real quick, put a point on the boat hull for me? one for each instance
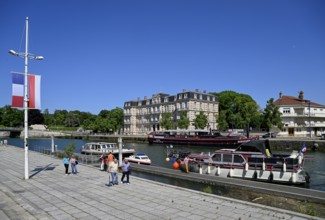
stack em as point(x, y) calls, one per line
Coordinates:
point(231, 142)
point(277, 176)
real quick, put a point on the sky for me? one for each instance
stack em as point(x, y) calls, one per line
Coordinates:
point(102, 53)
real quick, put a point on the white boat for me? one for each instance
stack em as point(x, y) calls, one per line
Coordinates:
point(139, 159)
point(105, 147)
point(252, 160)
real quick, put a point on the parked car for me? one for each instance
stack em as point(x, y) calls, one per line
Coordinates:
point(269, 135)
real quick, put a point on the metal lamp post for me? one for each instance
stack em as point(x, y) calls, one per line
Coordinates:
point(309, 119)
point(26, 56)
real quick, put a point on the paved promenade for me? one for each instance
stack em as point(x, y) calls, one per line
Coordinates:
point(49, 194)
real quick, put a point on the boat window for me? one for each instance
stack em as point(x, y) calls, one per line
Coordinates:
point(238, 159)
point(227, 158)
point(137, 158)
point(216, 158)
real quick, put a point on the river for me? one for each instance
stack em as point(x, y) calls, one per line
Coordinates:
point(314, 165)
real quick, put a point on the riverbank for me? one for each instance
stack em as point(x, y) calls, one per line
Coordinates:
point(279, 143)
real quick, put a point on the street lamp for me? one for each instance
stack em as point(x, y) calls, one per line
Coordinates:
point(26, 56)
point(309, 119)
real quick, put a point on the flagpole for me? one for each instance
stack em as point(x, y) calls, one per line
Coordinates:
point(26, 105)
point(26, 56)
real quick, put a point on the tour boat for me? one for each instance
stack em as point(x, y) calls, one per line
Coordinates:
point(105, 148)
point(198, 137)
point(252, 160)
point(139, 159)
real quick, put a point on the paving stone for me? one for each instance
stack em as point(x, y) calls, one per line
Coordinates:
point(52, 195)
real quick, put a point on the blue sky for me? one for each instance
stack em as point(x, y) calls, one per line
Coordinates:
point(101, 53)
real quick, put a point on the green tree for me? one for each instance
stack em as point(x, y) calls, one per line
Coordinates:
point(236, 110)
point(184, 121)
point(48, 118)
point(72, 119)
point(167, 120)
point(35, 117)
point(60, 117)
point(116, 119)
point(70, 149)
point(201, 121)
point(271, 116)
point(12, 117)
point(222, 120)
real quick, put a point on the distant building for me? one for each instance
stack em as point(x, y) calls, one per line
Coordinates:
point(301, 117)
point(143, 116)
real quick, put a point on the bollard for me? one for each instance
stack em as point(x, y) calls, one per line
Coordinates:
point(209, 169)
point(200, 169)
point(263, 165)
point(218, 170)
point(231, 172)
point(246, 166)
point(299, 159)
point(284, 167)
point(294, 177)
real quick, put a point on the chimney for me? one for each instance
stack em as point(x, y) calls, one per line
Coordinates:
point(145, 98)
point(301, 95)
point(280, 95)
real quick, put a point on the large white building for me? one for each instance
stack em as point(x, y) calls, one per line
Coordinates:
point(301, 117)
point(143, 116)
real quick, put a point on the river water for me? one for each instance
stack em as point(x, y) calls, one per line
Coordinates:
point(314, 165)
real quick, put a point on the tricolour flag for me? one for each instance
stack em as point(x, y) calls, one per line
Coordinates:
point(34, 91)
point(303, 149)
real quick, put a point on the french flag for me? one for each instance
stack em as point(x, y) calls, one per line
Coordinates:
point(34, 91)
point(303, 149)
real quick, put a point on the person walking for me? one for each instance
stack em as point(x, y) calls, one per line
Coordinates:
point(110, 158)
point(113, 170)
point(74, 163)
point(66, 162)
point(126, 168)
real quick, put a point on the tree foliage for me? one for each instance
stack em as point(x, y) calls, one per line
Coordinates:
point(201, 121)
point(183, 122)
point(271, 116)
point(167, 120)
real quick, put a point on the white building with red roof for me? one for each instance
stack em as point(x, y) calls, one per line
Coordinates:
point(301, 117)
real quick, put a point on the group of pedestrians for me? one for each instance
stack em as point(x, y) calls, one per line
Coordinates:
point(113, 170)
point(67, 161)
point(109, 163)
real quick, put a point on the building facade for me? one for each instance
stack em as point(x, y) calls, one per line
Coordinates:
point(301, 117)
point(143, 116)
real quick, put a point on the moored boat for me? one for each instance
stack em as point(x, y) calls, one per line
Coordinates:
point(99, 148)
point(198, 137)
point(253, 160)
point(139, 159)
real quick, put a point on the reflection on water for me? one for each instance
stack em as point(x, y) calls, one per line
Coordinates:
point(315, 165)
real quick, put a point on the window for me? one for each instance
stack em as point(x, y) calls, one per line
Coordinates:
point(216, 158)
point(227, 158)
point(286, 110)
point(238, 159)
